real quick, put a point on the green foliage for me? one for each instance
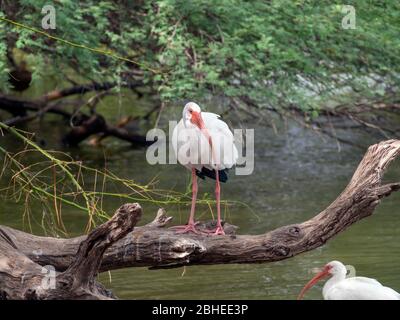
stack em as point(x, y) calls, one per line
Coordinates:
point(3, 60)
point(279, 53)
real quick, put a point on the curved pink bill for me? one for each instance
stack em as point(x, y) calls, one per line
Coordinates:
point(324, 273)
point(197, 120)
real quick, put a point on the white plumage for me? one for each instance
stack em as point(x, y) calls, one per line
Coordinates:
point(357, 288)
point(338, 287)
point(193, 149)
point(204, 144)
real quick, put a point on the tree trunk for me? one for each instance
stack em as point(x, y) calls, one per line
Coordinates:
point(154, 246)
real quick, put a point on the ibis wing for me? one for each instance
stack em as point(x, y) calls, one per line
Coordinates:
point(361, 288)
point(366, 280)
point(223, 140)
point(190, 146)
point(224, 149)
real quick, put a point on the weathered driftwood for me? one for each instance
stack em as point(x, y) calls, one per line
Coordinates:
point(22, 278)
point(154, 246)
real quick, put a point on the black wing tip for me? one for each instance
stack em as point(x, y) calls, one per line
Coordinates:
point(222, 174)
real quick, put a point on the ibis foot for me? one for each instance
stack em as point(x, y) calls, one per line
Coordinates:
point(190, 227)
point(219, 231)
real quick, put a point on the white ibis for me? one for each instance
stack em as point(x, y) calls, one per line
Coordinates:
point(204, 144)
point(338, 287)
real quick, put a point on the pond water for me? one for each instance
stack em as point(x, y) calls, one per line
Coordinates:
point(296, 175)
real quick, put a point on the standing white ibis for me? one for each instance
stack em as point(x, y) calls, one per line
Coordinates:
point(204, 144)
point(338, 287)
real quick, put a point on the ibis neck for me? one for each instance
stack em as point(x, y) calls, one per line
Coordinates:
point(333, 281)
point(189, 125)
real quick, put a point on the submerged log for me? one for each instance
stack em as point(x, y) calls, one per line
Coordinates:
point(154, 246)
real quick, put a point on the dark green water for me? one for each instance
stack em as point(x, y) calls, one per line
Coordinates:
point(297, 174)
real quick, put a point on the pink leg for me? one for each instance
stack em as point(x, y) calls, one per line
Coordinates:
point(194, 197)
point(190, 227)
point(220, 229)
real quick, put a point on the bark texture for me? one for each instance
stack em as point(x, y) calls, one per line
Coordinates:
point(22, 278)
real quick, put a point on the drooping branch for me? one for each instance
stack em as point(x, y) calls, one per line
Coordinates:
point(27, 110)
point(18, 106)
point(82, 89)
point(96, 124)
point(157, 247)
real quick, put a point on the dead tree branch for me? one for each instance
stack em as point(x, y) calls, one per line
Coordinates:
point(152, 245)
point(27, 110)
point(22, 278)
